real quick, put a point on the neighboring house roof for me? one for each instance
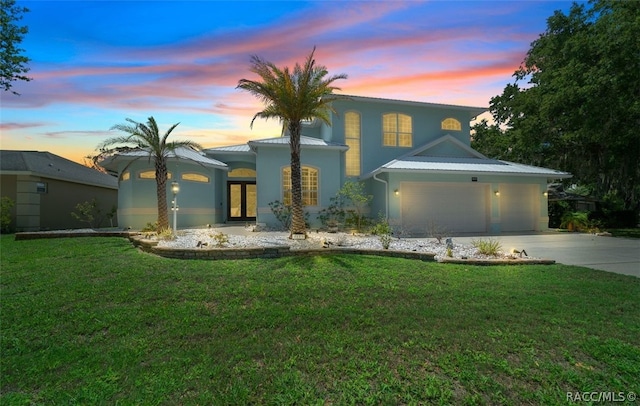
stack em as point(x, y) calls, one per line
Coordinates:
point(48, 165)
point(471, 162)
point(180, 153)
point(305, 142)
point(473, 110)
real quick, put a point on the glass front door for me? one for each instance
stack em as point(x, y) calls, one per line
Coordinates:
point(243, 201)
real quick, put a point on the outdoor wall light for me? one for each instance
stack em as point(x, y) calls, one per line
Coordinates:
point(396, 192)
point(497, 193)
point(545, 194)
point(175, 189)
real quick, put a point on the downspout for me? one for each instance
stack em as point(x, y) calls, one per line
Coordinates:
point(386, 195)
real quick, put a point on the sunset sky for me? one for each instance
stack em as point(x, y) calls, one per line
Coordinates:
point(95, 63)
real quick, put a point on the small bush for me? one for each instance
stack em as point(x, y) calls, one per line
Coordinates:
point(150, 227)
point(6, 204)
point(383, 230)
point(576, 221)
point(89, 212)
point(488, 246)
point(166, 234)
point(221, 239)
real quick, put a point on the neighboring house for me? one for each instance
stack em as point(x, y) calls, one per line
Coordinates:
point(46, 188)
point(414, 158)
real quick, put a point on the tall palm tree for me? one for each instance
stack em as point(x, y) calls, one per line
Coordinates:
point(292, 97)
point(147, 137)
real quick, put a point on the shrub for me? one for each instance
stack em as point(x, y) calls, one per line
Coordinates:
point(383, 230)
point(150, 227)
point(283, 214)
point(576, 221)
point(166, 234)
point(354, 193)
point(221, 239)
point(334, 214)
point(488, 246)
point(6, 204)
point(88, 212)
point(437, 231)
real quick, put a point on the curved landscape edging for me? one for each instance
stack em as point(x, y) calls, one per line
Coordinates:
point(150, 246)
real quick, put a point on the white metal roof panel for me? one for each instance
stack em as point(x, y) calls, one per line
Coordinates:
point(468, 165)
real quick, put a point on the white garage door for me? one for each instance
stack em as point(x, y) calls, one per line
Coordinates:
point(460, 208)
point(518, 207)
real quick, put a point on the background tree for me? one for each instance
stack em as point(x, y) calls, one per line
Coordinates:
point(13, 64)
point(147, 137)
point(575, 101)
point(292, 97)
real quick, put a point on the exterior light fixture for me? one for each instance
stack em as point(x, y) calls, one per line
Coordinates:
point(175, 189)
point(396, 192)
point(545, 194)
point(497, 193)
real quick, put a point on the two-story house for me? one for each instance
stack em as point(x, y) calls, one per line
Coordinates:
point(415, 159)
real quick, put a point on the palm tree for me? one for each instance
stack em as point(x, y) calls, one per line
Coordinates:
point(147, 137)
point(292, 97)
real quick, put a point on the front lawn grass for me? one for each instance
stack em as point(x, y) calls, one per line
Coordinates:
point(94, 321)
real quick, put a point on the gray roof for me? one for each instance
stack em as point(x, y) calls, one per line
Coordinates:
point(437, 164)
point(304, 142)
point(48, 165)
point(241, 148)
point(473, 110)
point(180, 153)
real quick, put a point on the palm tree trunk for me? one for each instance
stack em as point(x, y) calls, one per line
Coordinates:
point(161, 192)
point(297, 212)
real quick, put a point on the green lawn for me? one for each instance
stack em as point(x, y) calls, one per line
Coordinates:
point(94, 321)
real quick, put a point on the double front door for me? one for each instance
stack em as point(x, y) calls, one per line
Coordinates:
point(243, 202)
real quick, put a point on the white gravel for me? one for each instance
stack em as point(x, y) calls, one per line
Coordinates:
point(204, 238)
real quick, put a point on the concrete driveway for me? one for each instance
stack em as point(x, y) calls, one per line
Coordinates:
point(619, 255)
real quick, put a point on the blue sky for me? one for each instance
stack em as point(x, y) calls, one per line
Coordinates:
point(95, 63)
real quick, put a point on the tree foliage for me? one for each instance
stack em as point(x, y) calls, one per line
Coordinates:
point(575, 101)
point(147, 137)
point(13, 64)
point(292, 96)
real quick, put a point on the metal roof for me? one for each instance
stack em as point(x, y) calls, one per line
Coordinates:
point(304, 142)
point(241, 148)
point(180, 153)
point(48, 165)
point(436, 164)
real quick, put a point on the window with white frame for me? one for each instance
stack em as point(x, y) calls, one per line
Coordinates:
point(397, 130)
point(352, 139)
point(309, 186)
point(451, 124)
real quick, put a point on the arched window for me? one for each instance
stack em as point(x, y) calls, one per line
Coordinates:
point(451, 124)
point(151, 175)
point(125, 176)
point(309, 186)
point(195, 177)
point(397, 130)
point(241, 173)
point(352, 139)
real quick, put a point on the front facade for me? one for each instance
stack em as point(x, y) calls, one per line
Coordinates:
point(414, 158)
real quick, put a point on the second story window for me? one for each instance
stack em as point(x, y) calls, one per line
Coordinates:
point(451, 124)
point(352, 139)
point(397, 130)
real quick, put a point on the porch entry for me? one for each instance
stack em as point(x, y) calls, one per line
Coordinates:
point(242, 201)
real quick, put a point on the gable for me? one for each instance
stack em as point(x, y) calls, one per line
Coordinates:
point(446, 146)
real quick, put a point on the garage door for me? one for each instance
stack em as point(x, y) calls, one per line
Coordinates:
point(519, 207)
point(460, 208)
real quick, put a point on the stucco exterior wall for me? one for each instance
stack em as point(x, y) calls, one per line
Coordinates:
point(199, 203)
point(426, 126)
point(269, 165)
